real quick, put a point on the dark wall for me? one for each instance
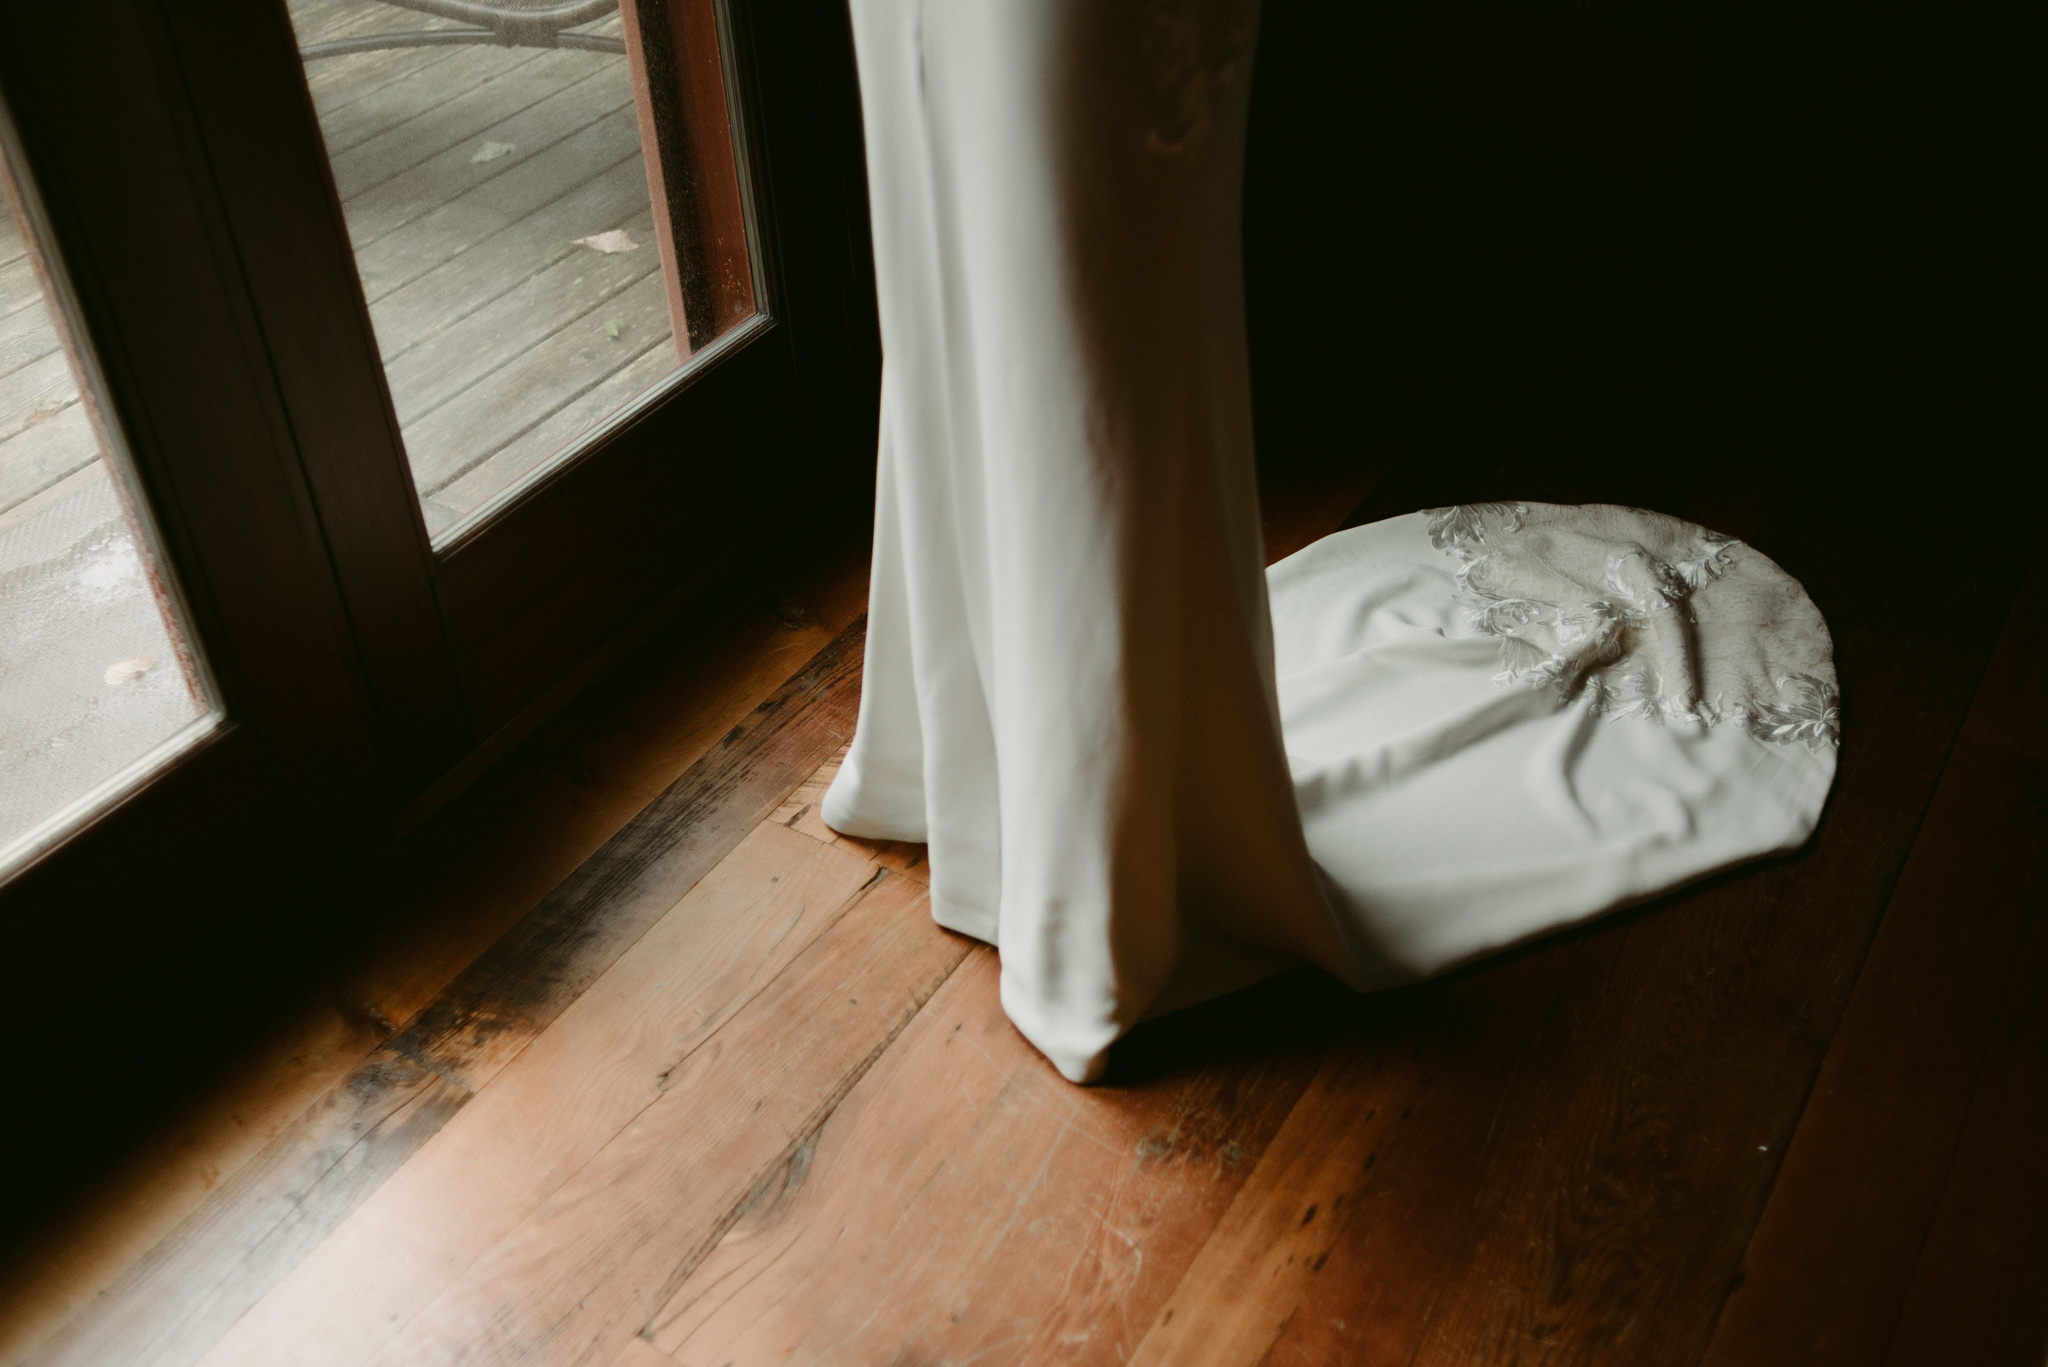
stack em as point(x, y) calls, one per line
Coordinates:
point(1622, 231)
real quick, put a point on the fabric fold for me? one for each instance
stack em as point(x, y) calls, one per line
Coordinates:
point(1069, 684)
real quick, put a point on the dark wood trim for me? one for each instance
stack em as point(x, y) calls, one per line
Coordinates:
point(240, 64)
point(679, 91)
point(456, 647)
point(122, 179)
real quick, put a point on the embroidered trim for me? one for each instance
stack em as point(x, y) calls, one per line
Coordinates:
point(1815, 720)
point(1593, 636)
point(1465, 525)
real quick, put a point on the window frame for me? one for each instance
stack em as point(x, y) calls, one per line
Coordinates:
point(365, 677)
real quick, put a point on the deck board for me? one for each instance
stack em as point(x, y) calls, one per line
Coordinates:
point(18, 287)
point(25, 335)
point(539, 381)
point(441, 367)
point(420, 310)
point(491, 322)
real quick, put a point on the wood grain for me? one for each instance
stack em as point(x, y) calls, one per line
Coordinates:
point(966, 1203)
point(1349, 1205)
point(1976, 1294)
point(800, 812)
point(1559, 1156)
point(586, 1270)
point(608, 1058)
point(531, 974)
point(171, 1304)
point(1846, 1232)
point(444, 895)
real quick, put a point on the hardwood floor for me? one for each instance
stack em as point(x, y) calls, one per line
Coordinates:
point(650, 1067)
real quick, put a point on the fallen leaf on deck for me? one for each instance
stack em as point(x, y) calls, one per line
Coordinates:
point(128, 671)
point(613, 241)
point(613, 327)
point(491, 151)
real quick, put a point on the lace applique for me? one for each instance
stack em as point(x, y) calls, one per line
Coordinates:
point(1648, 616)
point(1816, 719)
point(1464, 527)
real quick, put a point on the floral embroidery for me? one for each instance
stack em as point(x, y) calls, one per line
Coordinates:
point(1816, 719)
point(1609, 647)
point(1465, 525)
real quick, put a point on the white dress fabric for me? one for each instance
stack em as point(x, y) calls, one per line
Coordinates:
point(1070, 686)
point(1505, 718)
point(1069, 682)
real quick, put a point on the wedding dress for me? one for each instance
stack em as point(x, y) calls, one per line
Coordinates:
point(1072, 689)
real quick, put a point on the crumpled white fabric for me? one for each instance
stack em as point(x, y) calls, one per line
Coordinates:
point(1470, 779)
point(1070, 685)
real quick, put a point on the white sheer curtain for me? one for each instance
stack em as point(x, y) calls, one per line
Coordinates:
point(1069, 683)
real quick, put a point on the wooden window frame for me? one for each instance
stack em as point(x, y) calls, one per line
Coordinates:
point(365, 674)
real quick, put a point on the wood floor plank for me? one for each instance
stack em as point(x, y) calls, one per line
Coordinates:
point(800, 813)
point(966, 1201)
point(12, 248)
point(35, 394)
point(464, 880)
point(610, 1056)
point(268, 1099)
point(511, 838)
point(1842, 1239)
point(173, 1303)
point(532, 973)
point(500, 409)
point(1976, 1294)
point(582, 1275)
point(637, 1352)
point(18, 286)
point(354, 107)
point(479, 483)
point(78, 480)
point(538, 443)
point(2008, 713)
point(1401, 1113)
point(1617, 1217)
point(753, 1298)
point(338, 83)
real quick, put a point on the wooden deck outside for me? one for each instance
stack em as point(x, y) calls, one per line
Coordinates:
point(653, 1069)
point(467, 174)
point(45, 436)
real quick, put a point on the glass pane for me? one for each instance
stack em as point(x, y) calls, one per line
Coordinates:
point(494, 160)
point(98, 680)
